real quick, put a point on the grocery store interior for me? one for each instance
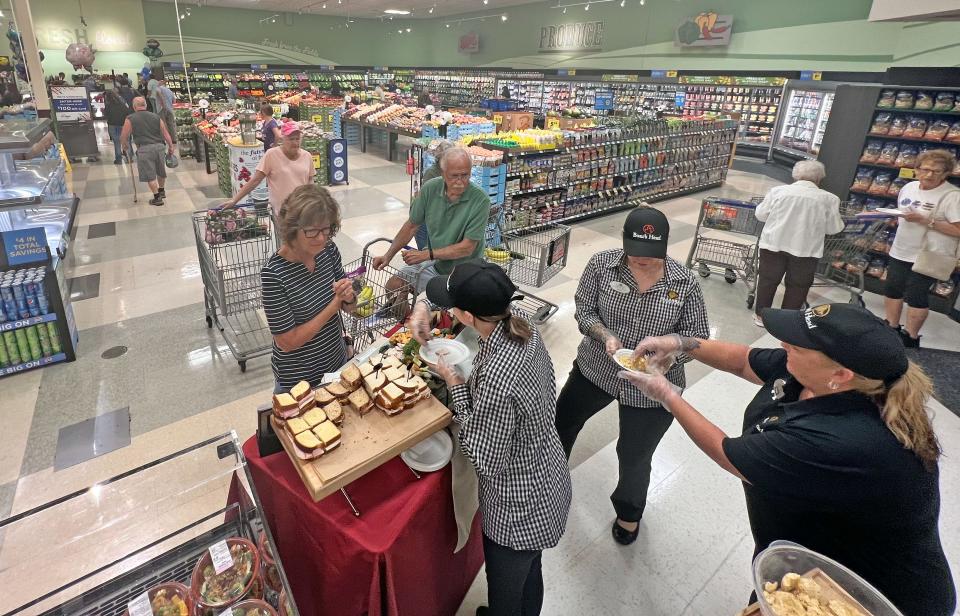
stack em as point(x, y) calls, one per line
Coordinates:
point(136, 381)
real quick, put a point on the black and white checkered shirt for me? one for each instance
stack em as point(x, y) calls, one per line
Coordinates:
point(506, 412)
point(608, 294)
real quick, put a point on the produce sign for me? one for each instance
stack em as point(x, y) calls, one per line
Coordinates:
point(705, 30)
point(581, 36)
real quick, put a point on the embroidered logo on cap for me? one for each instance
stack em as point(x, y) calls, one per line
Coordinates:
point(648, 229)
point(816, 312)
point(647, 236)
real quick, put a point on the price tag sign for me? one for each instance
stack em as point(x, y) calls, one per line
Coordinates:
point(220, 556)
point(817, 75)
point(316, 161)
point(140, 606)
point(553, 122)
point(908, 173)
point(316, 119)
point(497, 118)
point(671, 73)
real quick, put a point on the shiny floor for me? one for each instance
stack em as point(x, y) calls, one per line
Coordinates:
point(136, 283)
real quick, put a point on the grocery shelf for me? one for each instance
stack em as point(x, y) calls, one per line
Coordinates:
point(924, 111)
point(912, 139)
point(37, 363)
point(9, 326)
point(868, 194)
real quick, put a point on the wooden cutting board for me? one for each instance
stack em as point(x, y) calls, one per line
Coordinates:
point(365, 443)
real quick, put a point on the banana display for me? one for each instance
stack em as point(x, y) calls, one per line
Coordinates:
point(365, 302)
point(500, 255)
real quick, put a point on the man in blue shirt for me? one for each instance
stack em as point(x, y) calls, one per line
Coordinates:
point(163, 101)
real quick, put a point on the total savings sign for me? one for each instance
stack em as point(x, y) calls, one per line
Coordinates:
point(705, 30)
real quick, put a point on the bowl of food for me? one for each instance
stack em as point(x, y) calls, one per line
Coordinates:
point(286, 606)
point(789, 578)
point(215, 591)
point(253, 607)
point(625, 359)
point(271, 573)
point(170, 599)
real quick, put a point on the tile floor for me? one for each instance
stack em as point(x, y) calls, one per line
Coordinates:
point(137, 284)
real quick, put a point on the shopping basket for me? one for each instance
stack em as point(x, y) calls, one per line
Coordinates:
point(232, 246)
point(846, 255)
point(722, 251)
point(378, 309)
point(529, 257)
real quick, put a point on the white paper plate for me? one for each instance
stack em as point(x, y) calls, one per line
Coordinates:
point(625, 353)
point(454, 350)
point(430, 454)
point(889, 210)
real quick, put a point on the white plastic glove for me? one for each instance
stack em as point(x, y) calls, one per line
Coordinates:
point(660, 351)
point(419, 323)
point(654, 386)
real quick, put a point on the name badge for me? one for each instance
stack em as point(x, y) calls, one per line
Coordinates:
point(619, 287)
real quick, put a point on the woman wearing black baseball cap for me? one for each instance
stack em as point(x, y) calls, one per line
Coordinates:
point(505, 410)
point(837, 452)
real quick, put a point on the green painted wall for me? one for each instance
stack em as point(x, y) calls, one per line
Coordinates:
point(114, 27)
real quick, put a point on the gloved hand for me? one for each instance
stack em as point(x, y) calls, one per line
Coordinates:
point(612, 345)
point(660, 351)
point(654, 386)
point(419, 323)
point(448, 373)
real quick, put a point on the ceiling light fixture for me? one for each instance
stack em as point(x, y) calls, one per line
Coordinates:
point(448, 25)
point(396, 12)
point(564, 10)
point(408, 29)
point(642, 2)
point(486, 2)
point(503, 17)
point(623, 3)
point(431, 9)
point(587, 8)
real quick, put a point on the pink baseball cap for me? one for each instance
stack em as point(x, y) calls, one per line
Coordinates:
point(289, 128)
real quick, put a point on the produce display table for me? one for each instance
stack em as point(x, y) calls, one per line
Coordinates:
point(396, 558)
point(368, 130)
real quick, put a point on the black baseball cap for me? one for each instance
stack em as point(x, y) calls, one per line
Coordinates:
point(481, 288)
point(849, 335)
point(645, 233)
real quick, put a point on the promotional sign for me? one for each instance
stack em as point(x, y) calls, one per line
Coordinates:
point(603, 100)
point(23, 246)
point(469, 43)
point(243, 164)
point(618, 77)
point(811, 75)
point(580, 36)
point(70, 103)
point(705, 30)
point(337, 153)
point(679, 99)
point(728, 80)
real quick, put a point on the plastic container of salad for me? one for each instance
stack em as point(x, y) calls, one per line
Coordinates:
point(285, 609)
point(243, 580)
point(271, 573)
point(834, 581)
point(253, 607)
point(169, 599)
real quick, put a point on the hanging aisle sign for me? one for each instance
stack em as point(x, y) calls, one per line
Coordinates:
point(580, 36)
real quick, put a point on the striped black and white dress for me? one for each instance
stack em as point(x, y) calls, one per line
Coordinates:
point(292, 295)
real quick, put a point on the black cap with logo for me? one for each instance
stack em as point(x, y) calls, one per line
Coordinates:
point(481, 288)
point(645, 233)
point(849, 335)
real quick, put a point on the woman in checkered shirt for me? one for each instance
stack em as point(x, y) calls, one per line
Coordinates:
point(505, 411)
point(625, 295)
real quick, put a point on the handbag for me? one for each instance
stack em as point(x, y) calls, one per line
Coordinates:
point(937, 265)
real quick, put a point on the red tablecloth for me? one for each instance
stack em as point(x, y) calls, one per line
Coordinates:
point(396, 558)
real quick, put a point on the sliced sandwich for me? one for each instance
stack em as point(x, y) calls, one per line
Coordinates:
point(423, 390)
point(334, 412)
point(300, 391)
point(314, 417)
point(338, 391)
point(307, 402)
point(390, 399)
point(394, 373)
point(366, 369)
point(360, 402)
point(296, 425)
point(392, 362)
point(307, 445)
point(285, 406)
point(350, 376)
point(328, 434)
point(322, 396)
point(374, 383)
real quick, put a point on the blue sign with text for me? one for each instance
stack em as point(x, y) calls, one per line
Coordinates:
point(603, 100)
point(23, 246)
point(658, 74)
point(680, 98)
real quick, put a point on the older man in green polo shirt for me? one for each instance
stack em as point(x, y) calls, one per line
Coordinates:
point(455, 213)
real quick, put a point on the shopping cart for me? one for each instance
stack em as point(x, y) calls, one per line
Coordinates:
point(232, 248)
point(378, 309)
point(529, 257)
point(737, 260)
point(846, 254)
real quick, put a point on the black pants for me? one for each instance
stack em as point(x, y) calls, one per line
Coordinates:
point(514, 580)
point(641, 430)
point(906, 284)
point(799, 277)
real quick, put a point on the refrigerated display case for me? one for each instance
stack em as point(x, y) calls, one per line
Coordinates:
point(803, 122)
point(106, 547)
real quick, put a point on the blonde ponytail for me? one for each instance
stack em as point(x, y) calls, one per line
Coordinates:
point(903, 408)
point(519, 329)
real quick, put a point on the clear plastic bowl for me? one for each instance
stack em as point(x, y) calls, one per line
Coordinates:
point(784, 557)
point(253, 588)
point(253, 607)
point(173, 589)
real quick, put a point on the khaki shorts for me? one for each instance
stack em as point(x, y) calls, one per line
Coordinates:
point(150, 162)
point(419, 274)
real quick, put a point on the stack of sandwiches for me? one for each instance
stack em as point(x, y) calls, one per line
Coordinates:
point(390, 386)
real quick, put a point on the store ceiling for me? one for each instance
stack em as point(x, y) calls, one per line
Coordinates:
point(365, 8)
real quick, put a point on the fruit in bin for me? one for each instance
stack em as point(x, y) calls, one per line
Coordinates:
point(497, 255)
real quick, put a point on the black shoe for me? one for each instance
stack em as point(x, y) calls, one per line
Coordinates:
point(909, 341)
point(162, 193)
point(483, 610)
point(156, 201)
point(116, 161)
point(623, 536)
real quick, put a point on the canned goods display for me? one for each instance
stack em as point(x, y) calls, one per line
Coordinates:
point(54, 337)
point(13, 351)
point(22, 345)
point(44, 340)
point(33, 339)
point(4, 357)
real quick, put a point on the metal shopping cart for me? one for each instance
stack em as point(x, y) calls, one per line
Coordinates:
point(232, 247)
point(529, 257)
point(378, 309)
point(721, 252)
point(846, 254)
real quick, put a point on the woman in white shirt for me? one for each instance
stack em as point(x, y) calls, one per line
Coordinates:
point(919, 200)
point(797, 217)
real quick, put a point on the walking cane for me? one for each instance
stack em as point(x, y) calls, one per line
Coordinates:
point(133, 180)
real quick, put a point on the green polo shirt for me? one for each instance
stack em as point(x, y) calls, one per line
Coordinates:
point(450, 223)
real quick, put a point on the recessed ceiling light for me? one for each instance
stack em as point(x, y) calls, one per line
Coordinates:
point(397, 12)
point(408, 29)
point(587, 8)
point(503, 17)
point(448, 25)
point(485, 2)
point(431, 9)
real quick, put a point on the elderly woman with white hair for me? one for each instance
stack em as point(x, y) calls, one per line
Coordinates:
point(798, 216)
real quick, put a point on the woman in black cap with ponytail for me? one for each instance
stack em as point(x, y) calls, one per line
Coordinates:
point(625, 295)
point(505, 411)
point(837, 452)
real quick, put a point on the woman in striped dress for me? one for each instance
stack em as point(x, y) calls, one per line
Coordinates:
point(304, 290)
